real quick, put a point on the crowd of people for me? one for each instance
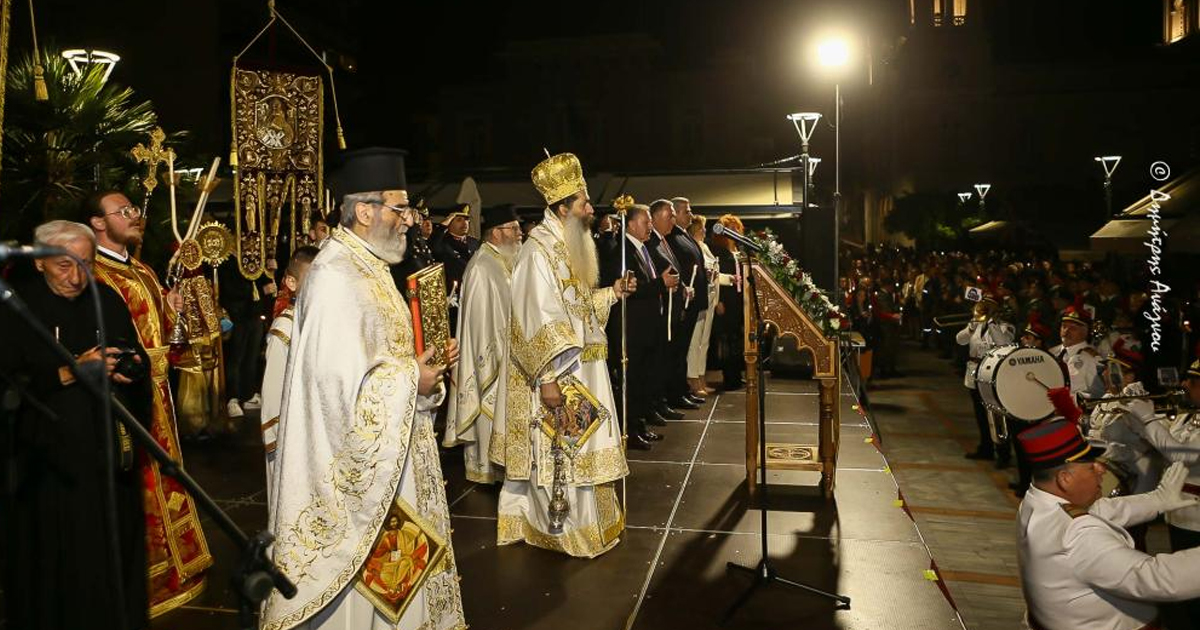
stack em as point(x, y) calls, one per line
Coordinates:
point(1107, 459)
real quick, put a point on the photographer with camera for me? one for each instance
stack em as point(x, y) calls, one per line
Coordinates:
point(55, 532)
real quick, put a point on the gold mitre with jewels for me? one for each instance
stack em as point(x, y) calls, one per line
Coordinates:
point(558, 177)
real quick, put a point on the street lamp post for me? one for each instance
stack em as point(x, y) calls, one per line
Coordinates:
point(813, 163)
point(805, 124)
point(963, 198)
point(833, 56)
point(1109, 164)
point(982, 190)
point(80, 59)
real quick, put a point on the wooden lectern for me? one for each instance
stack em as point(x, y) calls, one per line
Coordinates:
point(780, 312)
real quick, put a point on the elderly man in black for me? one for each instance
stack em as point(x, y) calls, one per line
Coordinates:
point(58, 569)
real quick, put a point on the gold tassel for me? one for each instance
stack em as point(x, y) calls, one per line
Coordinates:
point(40, 92)
point(341, 138)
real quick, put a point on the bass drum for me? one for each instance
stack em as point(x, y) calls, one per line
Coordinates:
point(1013, 381)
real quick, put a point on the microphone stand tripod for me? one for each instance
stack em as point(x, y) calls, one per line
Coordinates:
point(764, 572)
point(257, 574)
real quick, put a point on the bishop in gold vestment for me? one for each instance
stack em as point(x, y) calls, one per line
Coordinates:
point(558, 352)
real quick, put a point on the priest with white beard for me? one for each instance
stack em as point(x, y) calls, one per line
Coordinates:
point(476, 391)
point(558, 367)
point(359, 514)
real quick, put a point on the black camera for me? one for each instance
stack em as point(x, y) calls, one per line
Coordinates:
point(128, 364)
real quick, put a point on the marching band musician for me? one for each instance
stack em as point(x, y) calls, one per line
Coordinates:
point(1179, 441)
point(1080, 358)
point(1114, 422)
point(981, 335)
point(1079, 567)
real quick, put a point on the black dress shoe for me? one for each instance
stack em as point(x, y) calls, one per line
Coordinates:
point(683, 403)
point(656, 419)
point(637, 443)
point(979, 455)
point(696, 400)
point(651, 436)
point(668, 413)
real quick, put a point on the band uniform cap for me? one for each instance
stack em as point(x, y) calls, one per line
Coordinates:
point(1193, 370)
point(558, 177)
point(376, 169)
point(1129, 358)
point(1054, 443)
point(1076, 315)
point(493, 216)
point(1037, 329)
point(989, 297)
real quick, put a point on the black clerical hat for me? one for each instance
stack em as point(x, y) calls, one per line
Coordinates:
point(376, 169)
point(497, 215)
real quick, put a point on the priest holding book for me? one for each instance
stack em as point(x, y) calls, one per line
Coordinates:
point(359, 511)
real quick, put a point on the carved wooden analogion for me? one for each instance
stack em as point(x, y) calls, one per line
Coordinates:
point(781, 314)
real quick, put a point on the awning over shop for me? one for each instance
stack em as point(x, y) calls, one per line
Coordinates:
point(706, 190)
point(1126, 236)
point(760, 192)
point(1178, 212)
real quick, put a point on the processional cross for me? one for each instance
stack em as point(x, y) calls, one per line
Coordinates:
point(152, 156)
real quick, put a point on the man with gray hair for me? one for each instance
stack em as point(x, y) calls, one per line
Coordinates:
point(54, 488)
point(356, 447)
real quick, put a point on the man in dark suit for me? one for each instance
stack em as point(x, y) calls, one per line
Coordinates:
point(684, 313)
point(646, 333)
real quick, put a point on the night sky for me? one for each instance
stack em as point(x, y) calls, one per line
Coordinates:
point(178, 54)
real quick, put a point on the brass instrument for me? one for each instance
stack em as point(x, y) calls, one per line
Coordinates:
point(1176, 394)
point(998, 426)
point(953, 321)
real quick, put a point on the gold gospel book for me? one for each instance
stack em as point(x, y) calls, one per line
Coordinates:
point(430, 311)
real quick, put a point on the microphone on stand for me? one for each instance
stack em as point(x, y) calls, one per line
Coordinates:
point(13, 250)
point(738, 238)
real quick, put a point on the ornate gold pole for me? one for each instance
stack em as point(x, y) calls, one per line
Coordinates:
point(622, 205)
point(5, 13)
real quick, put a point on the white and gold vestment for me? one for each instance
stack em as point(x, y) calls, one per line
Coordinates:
point(477, 388)
point(557, 334)
point(359, 513)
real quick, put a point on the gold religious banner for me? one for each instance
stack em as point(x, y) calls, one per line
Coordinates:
point(277, 131)
point(430, 311)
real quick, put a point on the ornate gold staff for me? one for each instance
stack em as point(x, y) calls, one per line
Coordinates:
point(152, 156)
point(622, 204)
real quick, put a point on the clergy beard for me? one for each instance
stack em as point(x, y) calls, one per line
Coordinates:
point(387, 242)
point(509, 251)
point(581, 250)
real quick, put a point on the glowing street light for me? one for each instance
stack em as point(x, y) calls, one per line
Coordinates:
point(982, 190)
point(80, 59)
point(964, 197)
point(1109, 164)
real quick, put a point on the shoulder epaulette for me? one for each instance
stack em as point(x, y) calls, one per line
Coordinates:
point(1090, 350)
point(1074, 511)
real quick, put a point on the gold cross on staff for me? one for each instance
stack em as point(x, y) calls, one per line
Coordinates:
point(153, 156)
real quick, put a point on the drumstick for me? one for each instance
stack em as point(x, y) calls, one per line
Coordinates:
point(1030, 376)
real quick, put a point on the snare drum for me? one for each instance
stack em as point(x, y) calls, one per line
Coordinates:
point(1013, 381)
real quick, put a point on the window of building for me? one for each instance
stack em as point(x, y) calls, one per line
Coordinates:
point(1179, 22)
point(960, 12)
